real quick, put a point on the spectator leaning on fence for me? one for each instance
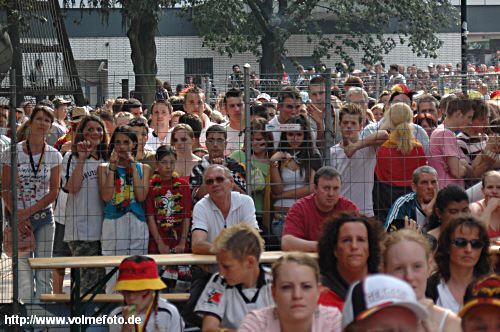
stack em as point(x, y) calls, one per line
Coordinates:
point(306, 217)
point(289, 105)
point(124, 185)
point(39, 167)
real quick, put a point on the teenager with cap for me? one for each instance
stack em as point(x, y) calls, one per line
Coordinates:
point(59, 126)
point(381, 303)
point(481, 311)
point(240, 286)
point(140, 285)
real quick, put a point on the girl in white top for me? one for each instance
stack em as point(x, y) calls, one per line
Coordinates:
point(292, 168)
point(295, 290)
point(406, 254)
point(84, 208)
point(461, 257)
point(38, 166)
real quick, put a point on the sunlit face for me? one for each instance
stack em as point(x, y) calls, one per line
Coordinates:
point(123, 145)
point(317, 95)
point(359, 99)
point(232, 270)
point(378, 113)
point(93, 132)
point(181, 141)
point(160, 116)
point(141, 299)
point(406, 260)
point(234, 108)
point(350, 127)
point(426, 187)
point(491, 186)
point(142, 135)
point(428, 107)
point(40, 124)
point(327, 193)
point(389, 319)
point(295, 138)
point(466, 257)
point(216, 144)
point(136, 112)
point(428, 127)
point(463, 120)
point(194, 103)
point(174, 121)
point(166, 166)
point(28, 109)
point(453, 210)
point(295, 292)
point(218, 185)
point(352, 248)
point(61, 111)
point(259, 143)
point(385, 99)
point(482, 318)
point(289, 108)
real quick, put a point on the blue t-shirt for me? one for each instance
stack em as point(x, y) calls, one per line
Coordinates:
point(123, 200)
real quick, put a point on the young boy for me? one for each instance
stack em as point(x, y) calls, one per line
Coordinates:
point(445, 154)
point(241, 285)
point(139, 283)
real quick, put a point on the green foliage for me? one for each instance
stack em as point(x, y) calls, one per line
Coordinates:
point(362, 26)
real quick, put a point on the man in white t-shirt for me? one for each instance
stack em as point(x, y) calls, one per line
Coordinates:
point(356, 170)
point(194, 102)
point(288, 107)
point(161, 112)
point(233, 102)
point(220, 208)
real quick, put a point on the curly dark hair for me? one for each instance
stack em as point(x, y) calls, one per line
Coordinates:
point(330, 236)
point(442, 256)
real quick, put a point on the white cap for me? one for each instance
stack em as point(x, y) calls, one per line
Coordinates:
point(377, 292)
point(264, 96)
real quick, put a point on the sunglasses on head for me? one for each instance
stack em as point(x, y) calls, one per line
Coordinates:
point(218, 179)
point(462, 243)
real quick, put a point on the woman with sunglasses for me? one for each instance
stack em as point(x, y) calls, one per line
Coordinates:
point(406, 254)
point(292, 169)
point(38, 180)
point(182, 142)
point(461, 257)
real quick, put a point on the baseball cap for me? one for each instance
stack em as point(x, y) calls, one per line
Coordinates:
point(78, 113)
point(484, 291)
point(264, 96)
point(377, 292)
point(138, 273)
point(60, 101)
point(495, 95)
point(401, 89)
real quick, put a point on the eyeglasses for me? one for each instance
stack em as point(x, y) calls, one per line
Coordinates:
point(460, 242)
point(218, 179)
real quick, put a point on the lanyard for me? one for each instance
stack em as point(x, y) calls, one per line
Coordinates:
point(142, 327)
point(32, 162)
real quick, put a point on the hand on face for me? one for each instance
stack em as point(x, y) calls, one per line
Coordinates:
point(84, 148)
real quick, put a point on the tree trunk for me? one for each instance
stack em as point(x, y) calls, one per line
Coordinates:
point(270, 62)
point(141, 35)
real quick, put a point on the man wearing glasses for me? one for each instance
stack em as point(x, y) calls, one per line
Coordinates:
point(216, 145)
point(221, 208)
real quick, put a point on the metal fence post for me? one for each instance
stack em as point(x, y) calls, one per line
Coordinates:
point(13, 193)
point(248, 141)
point(329, 123)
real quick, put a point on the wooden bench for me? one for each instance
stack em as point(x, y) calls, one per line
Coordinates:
point(109, 298)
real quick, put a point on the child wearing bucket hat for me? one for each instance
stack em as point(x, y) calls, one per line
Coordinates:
point(139, 283)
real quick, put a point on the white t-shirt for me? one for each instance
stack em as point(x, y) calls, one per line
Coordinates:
point(84, 209)
point(154, 141)
point(208, 217)
point(356, 175)
point(167, 319)
point(33, 188)
point(231, 303)
point(235, 139)
point(446, 299)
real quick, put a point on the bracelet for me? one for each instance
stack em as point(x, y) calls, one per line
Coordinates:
point(112, 170)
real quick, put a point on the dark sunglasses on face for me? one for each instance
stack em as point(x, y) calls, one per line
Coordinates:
point(460, 242)
point(218, 179)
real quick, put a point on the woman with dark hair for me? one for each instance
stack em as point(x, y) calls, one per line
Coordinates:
point(140, 285)
point(84, 207)
point(462, 256)
point(261, 149)
point(451, 202)
point(124, 185)
point(348, 251)
point(38, 180)
point(292, 169)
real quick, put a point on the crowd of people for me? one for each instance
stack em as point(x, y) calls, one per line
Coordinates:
point(409, 190)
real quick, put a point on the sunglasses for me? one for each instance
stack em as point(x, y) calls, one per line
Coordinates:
point(218, 179)
point(460, 242)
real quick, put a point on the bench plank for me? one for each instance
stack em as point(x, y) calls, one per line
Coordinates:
point(104, 298)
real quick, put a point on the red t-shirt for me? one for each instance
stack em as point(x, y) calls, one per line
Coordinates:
point(395, 168)
point(170, 204)
point(329, 298)
point(304, 220)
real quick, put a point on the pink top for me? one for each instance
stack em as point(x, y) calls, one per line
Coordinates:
point(325, 319)
point(443, 144)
